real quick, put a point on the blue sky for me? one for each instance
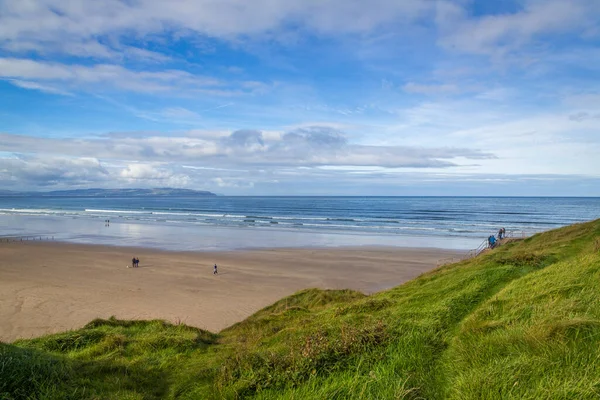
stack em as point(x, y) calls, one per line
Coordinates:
point(386, 97)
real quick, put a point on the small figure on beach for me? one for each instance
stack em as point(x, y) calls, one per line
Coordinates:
point(135, 262)
point(215, 270)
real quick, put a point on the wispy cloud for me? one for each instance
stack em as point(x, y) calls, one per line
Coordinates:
point(57, 22)
point(101, 76)
point(39, 86)
point(501, 34)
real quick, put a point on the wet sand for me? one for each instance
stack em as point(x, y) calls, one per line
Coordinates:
point(49, 287)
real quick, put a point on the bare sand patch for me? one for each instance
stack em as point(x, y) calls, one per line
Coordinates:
point(52, 287)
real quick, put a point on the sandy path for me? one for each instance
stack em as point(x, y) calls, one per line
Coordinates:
point(53, 287)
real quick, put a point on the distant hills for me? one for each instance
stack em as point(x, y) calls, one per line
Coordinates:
point(112, 193)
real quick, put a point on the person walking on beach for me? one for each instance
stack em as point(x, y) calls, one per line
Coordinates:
point(137, 262)
point(133, 262)
point(215, 270)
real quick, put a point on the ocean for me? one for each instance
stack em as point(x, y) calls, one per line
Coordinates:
point(219, 223)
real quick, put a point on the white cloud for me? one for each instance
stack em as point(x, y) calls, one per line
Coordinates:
point(47, 173)
point(77, 77)
point(52, 20)
point(144, 171)
point(91, 29)
point(39, 86)
point(143, 174)
point(95, 30)
point(101, 74)
point(51, 170)
point(237, 183)
point(451, 134)
point(555, 140)
point(312, 146)
point(85, 48)
point(500, 34)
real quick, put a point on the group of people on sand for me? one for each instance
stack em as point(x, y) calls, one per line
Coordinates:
point(135, 262)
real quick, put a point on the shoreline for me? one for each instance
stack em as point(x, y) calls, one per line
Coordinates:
point(366, 247)
point(183, 237)
point(50, 287)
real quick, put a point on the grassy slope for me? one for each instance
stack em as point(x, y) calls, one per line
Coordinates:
point(519, 322)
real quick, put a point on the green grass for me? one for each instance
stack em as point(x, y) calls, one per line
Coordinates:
point(521, 322)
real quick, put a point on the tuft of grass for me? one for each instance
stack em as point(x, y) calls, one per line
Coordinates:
point(521, 321)
point(30, 374)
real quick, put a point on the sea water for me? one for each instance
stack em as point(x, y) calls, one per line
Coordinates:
point(218, 223)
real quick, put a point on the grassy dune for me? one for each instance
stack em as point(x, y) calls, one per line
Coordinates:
point(521, 321)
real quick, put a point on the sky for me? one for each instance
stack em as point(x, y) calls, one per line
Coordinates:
point(302, 97)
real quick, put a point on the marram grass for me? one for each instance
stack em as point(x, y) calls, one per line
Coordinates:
point(519, 322)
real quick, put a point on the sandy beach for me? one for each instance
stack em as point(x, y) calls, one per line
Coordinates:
point(48, 287)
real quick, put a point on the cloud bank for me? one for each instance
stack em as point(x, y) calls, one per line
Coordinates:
point(272, 96)
point(308, 147)
point(224, 161)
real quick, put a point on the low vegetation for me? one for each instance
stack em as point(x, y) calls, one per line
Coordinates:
point(521, 321)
